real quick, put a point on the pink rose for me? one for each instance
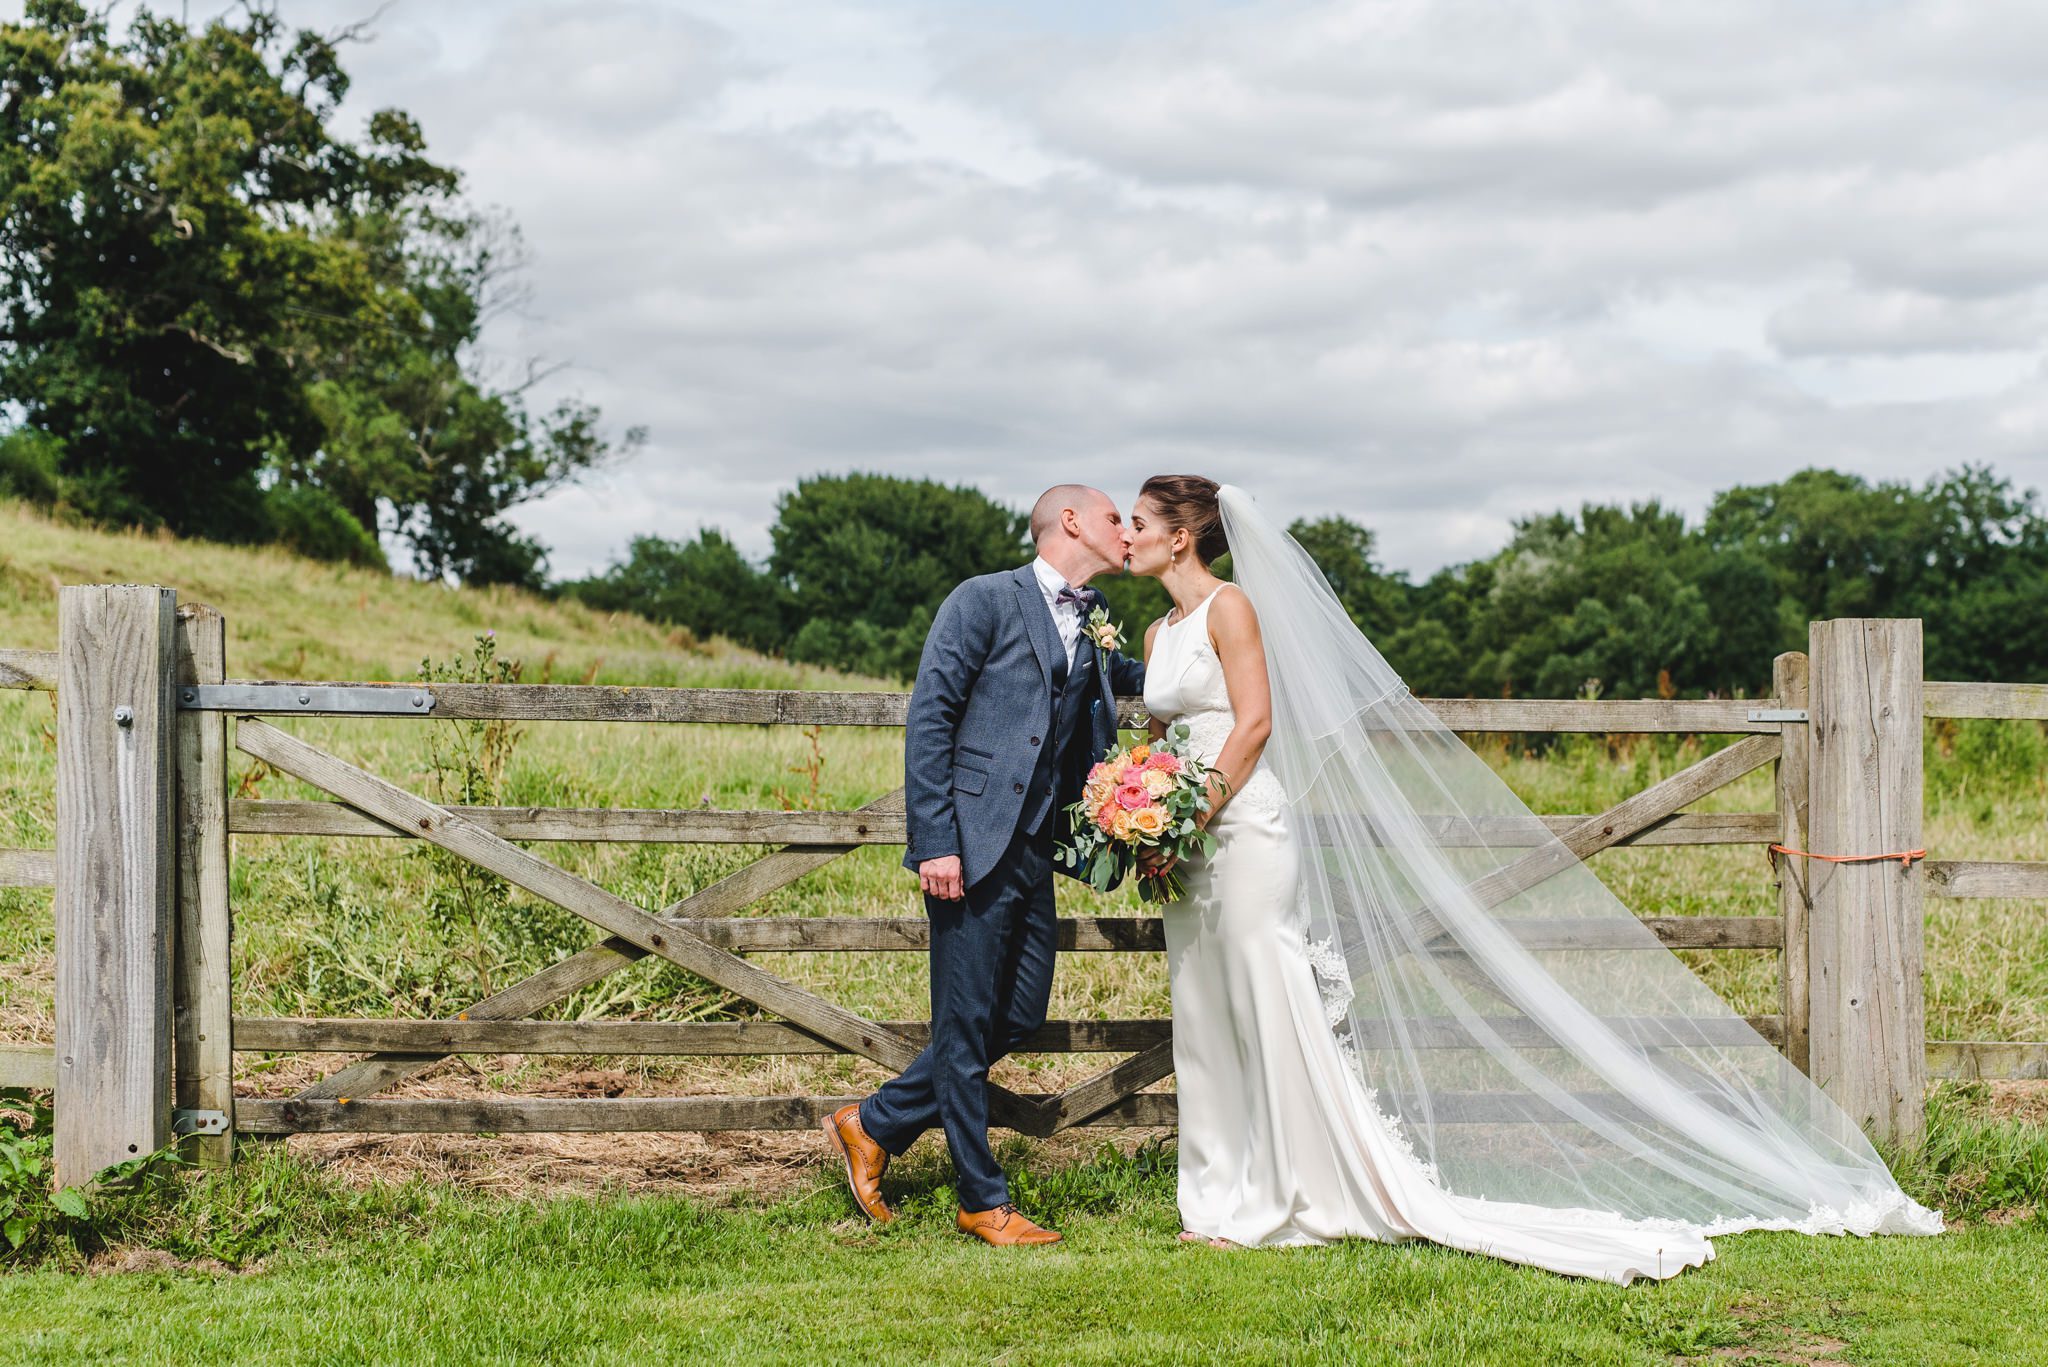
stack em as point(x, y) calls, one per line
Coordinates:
point(1133, 796)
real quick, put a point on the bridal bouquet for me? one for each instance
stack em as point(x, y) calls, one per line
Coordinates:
point(1140, 797)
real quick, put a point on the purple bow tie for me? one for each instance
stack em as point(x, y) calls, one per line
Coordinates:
point(1069, 594)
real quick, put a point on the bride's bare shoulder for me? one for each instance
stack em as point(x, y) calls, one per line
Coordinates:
point(1233, 621)
point(1233, 608)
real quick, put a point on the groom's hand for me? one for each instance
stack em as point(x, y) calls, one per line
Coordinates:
point(941, 877)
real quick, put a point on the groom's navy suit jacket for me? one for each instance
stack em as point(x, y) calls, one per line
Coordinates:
point(982, 708)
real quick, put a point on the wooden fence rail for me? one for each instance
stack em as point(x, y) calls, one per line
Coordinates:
point(143, 915)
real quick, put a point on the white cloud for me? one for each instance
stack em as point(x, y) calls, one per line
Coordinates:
point(1433, 265)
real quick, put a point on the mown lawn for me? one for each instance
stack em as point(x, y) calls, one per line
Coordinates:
point(430, 1275)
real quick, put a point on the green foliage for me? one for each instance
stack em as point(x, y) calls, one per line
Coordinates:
point(1635, 603)
point(32, 1216)
point(30, 465)
point(308, 520)
point(1966, 553)
point(39, 1222)
point(705, 585)
point(867, 559)
point(1135, 603)
point(1376, 600)
point(1972, 1163)
point(467, 762)
point(1626, 601)
point(202, 282)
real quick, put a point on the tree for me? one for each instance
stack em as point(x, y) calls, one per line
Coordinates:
point(866, 560)
point(705, 585)
point(1965, 553)
point(207, 299)
point(1343, 551)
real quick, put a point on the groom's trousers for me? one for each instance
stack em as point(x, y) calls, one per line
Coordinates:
point(992, 959)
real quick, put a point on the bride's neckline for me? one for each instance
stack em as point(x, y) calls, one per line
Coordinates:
point(1197, 607)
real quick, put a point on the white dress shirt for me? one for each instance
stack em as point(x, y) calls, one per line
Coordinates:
point(1065, 616)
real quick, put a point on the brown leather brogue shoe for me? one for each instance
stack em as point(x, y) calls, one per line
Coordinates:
point(1003, 1226)
point(865, 1160)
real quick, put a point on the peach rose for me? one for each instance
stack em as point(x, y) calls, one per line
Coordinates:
point(1158, 782)
point(1149, 822)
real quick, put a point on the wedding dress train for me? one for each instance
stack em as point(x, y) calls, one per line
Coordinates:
point(1364, 1048)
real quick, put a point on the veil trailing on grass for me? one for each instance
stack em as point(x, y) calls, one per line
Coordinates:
point(1526, 1037)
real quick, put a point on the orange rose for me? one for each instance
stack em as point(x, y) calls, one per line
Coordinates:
point(1140, 753)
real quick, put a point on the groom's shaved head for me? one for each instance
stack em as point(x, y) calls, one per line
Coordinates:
point(1045, 514)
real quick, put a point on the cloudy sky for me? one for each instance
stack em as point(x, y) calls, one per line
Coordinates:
point(1431, 265)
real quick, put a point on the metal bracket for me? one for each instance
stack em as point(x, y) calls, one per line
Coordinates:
point(394, 700)
point(199, 1122)
point(1778, 714)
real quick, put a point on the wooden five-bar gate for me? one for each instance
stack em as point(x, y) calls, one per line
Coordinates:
point(145, 1037)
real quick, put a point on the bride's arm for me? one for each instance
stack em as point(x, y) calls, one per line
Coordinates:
point(1234, 631)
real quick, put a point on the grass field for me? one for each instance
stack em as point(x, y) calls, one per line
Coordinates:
point(422, 1274)
point(755, 1255)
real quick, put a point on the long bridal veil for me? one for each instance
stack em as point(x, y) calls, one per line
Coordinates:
point(1529, 1039)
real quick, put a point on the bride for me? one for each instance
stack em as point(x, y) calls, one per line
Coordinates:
point(1402, 1009)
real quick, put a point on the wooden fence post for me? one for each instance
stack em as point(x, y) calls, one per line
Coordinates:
point(1795, 901)
point(1868, 1005)
point(115, 846)
point(205, 1058)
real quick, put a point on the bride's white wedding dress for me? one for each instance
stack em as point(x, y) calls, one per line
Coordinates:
point(1279, 1142)
point(1342, 983)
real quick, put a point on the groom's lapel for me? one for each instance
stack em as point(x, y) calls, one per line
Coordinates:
point(1037, 620)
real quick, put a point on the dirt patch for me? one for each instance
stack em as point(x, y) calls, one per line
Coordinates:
point(709, 1166)
point(121, 1260)
point(721, 1167)
point(2008, 1215)
point(2026, 1101)
point(1799, 1350)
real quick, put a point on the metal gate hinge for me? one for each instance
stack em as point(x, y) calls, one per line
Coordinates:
point(199, 1122)
point(373, 700)
point(1778, 714)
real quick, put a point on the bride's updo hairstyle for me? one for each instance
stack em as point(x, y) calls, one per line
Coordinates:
point(1189, 502)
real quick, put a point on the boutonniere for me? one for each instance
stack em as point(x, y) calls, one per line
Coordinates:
point(1106, 635)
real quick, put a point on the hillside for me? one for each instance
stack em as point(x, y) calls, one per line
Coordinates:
point(289, 617)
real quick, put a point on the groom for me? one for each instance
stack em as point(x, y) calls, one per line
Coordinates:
point(1012, 705)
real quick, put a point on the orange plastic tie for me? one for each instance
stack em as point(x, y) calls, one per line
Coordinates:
point(1905, 857)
